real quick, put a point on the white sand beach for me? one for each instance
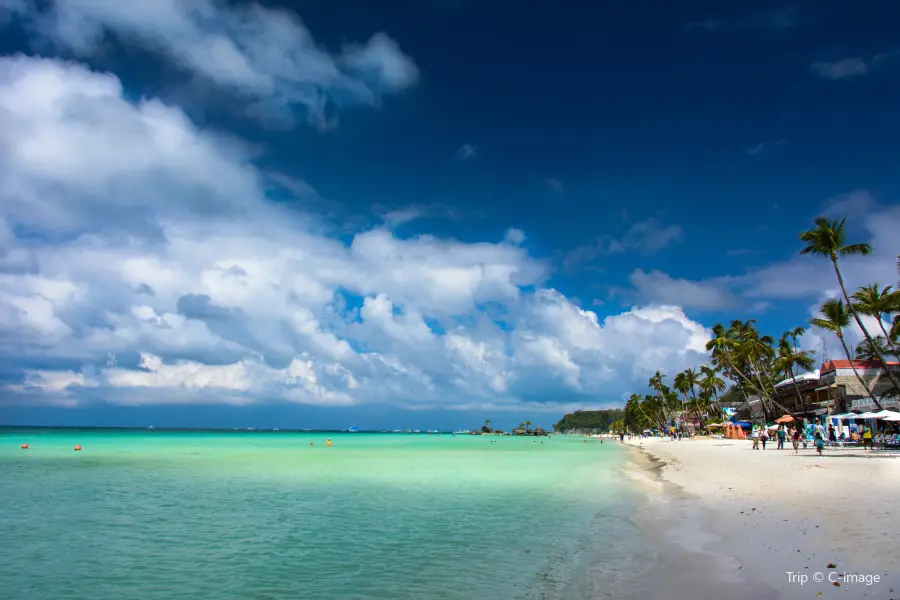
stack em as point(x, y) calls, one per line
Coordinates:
point(758, 515)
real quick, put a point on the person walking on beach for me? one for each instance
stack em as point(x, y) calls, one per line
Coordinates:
point(755, 436)
point(764, 437)
point(832, 436)
point(820, 442)
point(795, 441)
point(867, 437)
point(781, 433)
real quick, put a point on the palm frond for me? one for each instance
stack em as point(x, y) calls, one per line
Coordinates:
point(856, 250)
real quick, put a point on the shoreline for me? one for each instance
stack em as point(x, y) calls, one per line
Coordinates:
point(733, 522)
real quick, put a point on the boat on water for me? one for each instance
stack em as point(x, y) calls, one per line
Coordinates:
point(352, 429)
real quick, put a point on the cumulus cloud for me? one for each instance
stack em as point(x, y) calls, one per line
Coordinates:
point(656, 287)
point(264, 55)
point(140, 262)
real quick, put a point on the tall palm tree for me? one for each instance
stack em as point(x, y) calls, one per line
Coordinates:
point(656, 382)
point(876, 303)
point(692, 382)
point(788, 358)
point(834, 318)
point(828, 239)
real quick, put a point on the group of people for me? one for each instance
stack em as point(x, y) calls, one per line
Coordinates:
point(760, 436)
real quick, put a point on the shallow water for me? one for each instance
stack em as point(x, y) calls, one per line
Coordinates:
point(159, 515)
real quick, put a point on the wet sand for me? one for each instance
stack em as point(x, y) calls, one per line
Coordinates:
point(732, 522)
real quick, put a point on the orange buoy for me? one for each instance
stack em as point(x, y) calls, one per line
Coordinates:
point(24, 446)
point(78, 448)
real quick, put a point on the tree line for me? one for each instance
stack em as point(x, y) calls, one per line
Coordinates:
point(754, 363)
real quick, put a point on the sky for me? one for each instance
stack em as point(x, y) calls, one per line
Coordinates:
point(423, 213)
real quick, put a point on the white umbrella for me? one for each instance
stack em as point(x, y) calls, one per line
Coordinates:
point(866, 415)
point(893, 417)
point(883, 414)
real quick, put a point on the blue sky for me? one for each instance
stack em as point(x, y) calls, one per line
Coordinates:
point(317, 214)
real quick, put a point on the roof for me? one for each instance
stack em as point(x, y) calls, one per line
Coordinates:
point(843, 363)
point(811, 376)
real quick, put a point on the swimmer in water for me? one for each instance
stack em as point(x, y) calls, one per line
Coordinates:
point(328, 443)
point(311, 444)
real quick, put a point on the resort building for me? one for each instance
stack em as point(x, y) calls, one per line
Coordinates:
point(814, 398)
point(838, 382)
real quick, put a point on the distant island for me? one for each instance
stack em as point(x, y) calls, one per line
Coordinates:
point(589, 420)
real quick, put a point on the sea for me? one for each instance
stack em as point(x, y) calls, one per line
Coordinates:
point(252, 515)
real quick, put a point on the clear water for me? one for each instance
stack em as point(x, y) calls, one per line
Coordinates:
point(210, 515)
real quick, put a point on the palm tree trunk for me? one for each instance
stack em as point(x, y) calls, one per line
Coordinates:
point(855, 372)
point(718, 405)
point(887, 338)
point(797, 389)
point(875, 349)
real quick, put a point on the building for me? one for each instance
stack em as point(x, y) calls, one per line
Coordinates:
point(838, 382)
point(814, 398)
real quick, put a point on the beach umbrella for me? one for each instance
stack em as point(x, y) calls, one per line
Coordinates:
point(866, 415)
point(785, 419)
point(883, 414)
point(892, 418)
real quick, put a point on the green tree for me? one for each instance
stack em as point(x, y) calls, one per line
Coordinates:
point(864, 350)
point(711, 384)
point(789, 358)
point(827, 239)
point(835, 318)
point(869, 300)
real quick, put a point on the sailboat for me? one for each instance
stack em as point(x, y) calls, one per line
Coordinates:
point(352, 429)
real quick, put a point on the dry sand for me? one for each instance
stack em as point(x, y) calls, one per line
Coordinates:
point(748, 517)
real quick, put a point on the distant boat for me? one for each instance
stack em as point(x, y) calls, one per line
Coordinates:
point(352, 429)
point(276, 429)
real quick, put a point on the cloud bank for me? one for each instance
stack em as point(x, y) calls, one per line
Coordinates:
point(141, 261)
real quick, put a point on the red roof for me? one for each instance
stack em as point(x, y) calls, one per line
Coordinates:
point(843, 363)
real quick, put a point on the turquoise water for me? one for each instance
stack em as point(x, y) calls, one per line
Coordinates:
point(209, 515)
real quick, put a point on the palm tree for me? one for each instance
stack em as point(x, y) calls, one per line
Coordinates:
point(788, 358)
point(864, 350)
point(827, 239)
point(834, 318)
point(712, 384)
point(656, 382)
point(876, 303)
point(527, 425)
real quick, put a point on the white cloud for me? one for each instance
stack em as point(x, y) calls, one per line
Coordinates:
point(466, 151)
point(514, 236)
point(841, 69)
point(151, 241)
point(645, 237)
point(656, 287)
point(265, 55)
